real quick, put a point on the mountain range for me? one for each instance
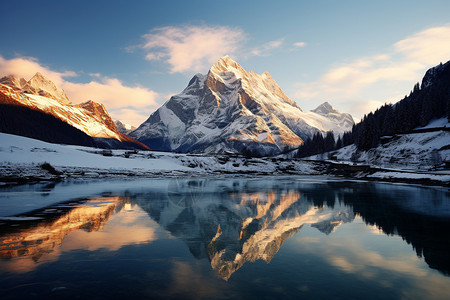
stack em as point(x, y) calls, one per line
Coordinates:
point(230, 110)
point(38, 109)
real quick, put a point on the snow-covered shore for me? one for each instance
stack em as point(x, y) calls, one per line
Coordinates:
point(21, 159)
point(413, 157)
point(29, 160)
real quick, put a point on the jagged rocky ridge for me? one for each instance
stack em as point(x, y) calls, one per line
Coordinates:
point(87, 124)
point(232, 110)
point(37, 85)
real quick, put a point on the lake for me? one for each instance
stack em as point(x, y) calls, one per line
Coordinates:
point(224, 238)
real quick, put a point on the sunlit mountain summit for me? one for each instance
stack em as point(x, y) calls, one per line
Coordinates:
point(233, 110)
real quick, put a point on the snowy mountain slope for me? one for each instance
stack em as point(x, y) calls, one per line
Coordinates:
point(413, 151)
point(231, 110)
point(89, 117)
point(331, 119)
point(37, 85)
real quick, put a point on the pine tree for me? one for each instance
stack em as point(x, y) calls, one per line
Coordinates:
point(339, 143)
point(329, 142)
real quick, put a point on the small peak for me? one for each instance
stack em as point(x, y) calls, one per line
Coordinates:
point(226, 61)
point(325, 108)
point(226, 58)
point(267, 75)
point(196, 79)
point(13, 81)
point(226, 64)
point(91, 103)
point(326, 104)
point(39, 75)
point(39, 79)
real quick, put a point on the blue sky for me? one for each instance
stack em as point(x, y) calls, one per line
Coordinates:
point(132, 55)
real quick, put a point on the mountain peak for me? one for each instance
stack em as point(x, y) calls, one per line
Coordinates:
point(13, 81)
point(40, 76)
point(226, 58)
point(226, 64)
point(41, 85)
point(231, 110)
point(325, 108)
point(38, 80)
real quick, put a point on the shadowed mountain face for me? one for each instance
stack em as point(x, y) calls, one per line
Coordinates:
point(234, 222)
point(232, 110)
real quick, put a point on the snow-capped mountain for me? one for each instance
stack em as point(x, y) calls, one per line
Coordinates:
point(232, 110)
point(90, 117)
point(37, 85)
point(123, 127)
point(333, 119)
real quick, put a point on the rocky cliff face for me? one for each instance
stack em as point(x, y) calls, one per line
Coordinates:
point(98, 112)
point(231, 110)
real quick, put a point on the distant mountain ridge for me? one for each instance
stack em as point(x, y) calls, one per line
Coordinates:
point(90, 118)
point(37, 85)
point(230, 110)
point(124, 128)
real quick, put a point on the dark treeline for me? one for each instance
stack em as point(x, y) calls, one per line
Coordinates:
point(34, 124)
point(320, 144)
point(425, 102)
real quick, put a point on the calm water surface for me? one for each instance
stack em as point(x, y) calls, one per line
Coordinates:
point(262, 238)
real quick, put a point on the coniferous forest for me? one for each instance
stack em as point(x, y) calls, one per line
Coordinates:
point(427, 101)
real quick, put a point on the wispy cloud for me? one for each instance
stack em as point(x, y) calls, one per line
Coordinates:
point(380, 75)
point(299, 44)
point(428, 47)
point(120, 100)
point(265, 49)
point(191, 48)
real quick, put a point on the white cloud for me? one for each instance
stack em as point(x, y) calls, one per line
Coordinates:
point(429, 47)
point(191, 48)
point(380, 77)
point(120, 100)
point(130, 115)
point(26, 67)
point(299, 44)
point(264, 50)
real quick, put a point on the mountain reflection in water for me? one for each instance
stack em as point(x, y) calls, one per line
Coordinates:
point(231, 222)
